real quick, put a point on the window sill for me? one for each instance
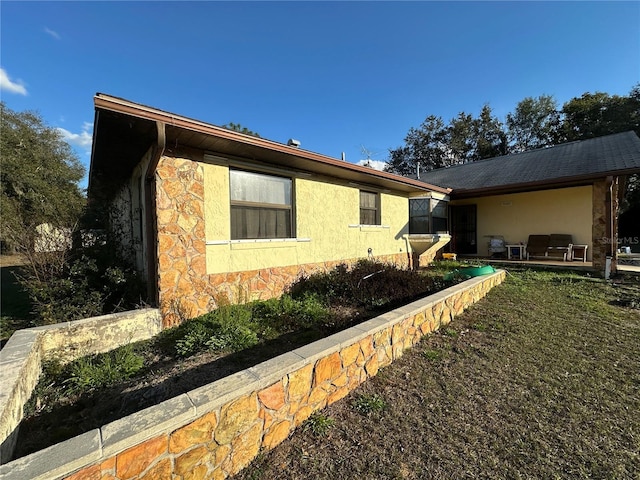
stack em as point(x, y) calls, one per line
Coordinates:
point(371, 228)
point(259, 243)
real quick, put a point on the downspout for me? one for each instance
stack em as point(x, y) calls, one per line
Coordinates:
point(150, 216)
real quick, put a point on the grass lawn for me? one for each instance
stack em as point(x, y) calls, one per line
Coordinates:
point(540, 380)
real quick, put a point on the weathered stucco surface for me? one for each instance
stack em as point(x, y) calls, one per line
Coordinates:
point(516, 216)
point(199, 265)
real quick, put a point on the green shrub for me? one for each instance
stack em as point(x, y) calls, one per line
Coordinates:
point(194, 338)
point(230, 327)
point(367, 404)
point(368, 283)
point(97, 371)
point(86, 282)
point(287, 314)
point(232, 337)
point(318, 424)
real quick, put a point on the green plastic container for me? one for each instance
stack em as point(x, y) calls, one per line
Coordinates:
point(470, 272)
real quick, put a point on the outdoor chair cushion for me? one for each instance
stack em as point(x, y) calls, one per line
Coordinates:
point(537, 245)
point(560, 244)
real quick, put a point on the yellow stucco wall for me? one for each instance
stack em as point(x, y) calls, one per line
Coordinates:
point(326, 226)
point(516, 216)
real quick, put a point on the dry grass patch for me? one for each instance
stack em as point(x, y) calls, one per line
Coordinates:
point(539, 380)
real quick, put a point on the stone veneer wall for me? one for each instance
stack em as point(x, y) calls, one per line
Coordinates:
point(21, 358)
point(216, 430)
point(182, 279)
point(602, 209)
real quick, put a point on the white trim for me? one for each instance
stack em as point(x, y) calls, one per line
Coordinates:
point(369, 226)
point(258, 240)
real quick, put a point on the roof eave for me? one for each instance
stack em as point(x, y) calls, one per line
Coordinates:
point(119, 105)
point(573, 181)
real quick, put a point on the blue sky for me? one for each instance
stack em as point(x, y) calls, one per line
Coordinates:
point(338, 76)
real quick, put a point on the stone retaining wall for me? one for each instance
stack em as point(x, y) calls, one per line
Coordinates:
point(22, 356)
point(216, 430)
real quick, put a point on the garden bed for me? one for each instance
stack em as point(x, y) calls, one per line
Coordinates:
point(93, 391)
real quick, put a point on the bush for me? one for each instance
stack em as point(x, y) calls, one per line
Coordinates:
point(368, 283)
point(236, 327)
point(99, 371)
point(86, 282)
point(230, 327)
point(286, 314)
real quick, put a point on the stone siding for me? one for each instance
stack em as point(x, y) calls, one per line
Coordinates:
point(21, 358)
point(218, 429)
point(185, 289)
point(604, 203)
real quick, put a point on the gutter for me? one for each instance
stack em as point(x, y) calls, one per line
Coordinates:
point(573, 181)
point(126, 107)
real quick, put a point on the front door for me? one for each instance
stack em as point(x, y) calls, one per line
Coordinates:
point(463, 229)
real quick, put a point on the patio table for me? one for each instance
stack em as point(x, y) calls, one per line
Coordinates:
point(515, 250)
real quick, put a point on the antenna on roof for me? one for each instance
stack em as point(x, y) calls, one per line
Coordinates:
point(367, 162)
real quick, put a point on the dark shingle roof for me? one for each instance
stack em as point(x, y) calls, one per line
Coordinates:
point(596, 157)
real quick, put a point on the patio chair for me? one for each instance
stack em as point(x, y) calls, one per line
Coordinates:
point(560, 245)
point(497, 246)
point(537, 246)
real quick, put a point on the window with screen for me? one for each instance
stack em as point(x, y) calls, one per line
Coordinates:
point(427, 215)
point(439, 216)
point(419, 215)
point(261, 206)
point(369, 208)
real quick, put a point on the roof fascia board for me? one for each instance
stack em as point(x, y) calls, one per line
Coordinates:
point(542, 185)
point(119, 105)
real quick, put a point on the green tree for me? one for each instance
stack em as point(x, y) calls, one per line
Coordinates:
point(39, 179)
point(491, 139)
point(470, 139)
point(424, 147)
point(535, 123)
point(236, 127)
point(598, 114)
point(461, 138)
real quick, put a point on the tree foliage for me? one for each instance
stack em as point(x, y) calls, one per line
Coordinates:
point(534, 124)
point(436, 145)
point(491, 140)
point(39, 178)
point(236, 127)
point(597, 114)
point(424, 148)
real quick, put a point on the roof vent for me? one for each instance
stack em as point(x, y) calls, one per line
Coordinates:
point(293, 143)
